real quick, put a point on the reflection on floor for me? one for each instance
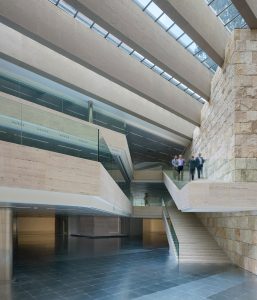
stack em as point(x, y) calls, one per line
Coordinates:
point(118, 268)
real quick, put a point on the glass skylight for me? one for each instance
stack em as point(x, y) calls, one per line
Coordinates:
point(163, 20)
point(227, 13)
point(158, 16)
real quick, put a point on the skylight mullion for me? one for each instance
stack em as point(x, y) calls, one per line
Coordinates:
point(147, 5)
point(210, 2)
point(180, 36)
point(223, 10)
point(159, 17)
point(126, 48)
point(189, 45)
point(170, 27)
point(232, 19)
point(57, 2)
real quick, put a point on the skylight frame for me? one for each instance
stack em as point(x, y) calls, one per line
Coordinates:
point(174, 30)
point(228, 23)
point(126, 48)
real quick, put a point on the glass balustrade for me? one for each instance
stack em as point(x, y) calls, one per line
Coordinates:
point(171, 227)
point(39, 127)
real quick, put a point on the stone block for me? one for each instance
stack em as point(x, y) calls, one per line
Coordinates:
point(252, 251)
point(242, 222)
point(246, 236)
point(252, 222)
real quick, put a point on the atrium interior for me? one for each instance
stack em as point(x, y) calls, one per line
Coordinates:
point(128, 149)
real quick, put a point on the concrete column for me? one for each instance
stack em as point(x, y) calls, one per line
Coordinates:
point(90, 112)
point(6, 245)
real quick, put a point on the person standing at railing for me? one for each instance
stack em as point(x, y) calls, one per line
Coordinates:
point(199, 165)
point(192, 166)
point(174, 164)
point(181, 163)
point(146, 198)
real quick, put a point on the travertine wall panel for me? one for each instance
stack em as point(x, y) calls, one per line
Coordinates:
point(236, 233)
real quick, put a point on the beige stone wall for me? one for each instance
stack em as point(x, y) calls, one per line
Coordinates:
point(228, 140)
point(228, 133)
point(236, 233)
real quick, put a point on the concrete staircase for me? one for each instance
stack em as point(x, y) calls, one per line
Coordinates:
point(195, 242)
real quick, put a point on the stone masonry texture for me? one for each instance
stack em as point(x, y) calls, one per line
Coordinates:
point(227, 138)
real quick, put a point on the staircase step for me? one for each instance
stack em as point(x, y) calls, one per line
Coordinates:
point(195, 242)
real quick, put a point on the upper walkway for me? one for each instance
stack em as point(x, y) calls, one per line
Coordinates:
point(204, 195)
point(57, 162)
point(211, 196)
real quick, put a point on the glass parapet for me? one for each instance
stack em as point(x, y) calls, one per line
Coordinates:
point(181, 179)
point(171, 227)
point(31, 125)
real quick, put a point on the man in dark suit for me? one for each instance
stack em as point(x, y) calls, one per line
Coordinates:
point(199, 165)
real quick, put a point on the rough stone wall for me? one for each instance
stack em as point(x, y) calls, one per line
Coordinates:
point(236, 233)
point(227, 138)
point(228, 134)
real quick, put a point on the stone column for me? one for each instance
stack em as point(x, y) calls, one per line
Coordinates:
point(6, 244)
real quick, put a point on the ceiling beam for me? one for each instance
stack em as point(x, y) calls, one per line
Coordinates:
point(49, 25)
point(130, 24)
point(30, 54)
point(248, 10)
point(199, 22)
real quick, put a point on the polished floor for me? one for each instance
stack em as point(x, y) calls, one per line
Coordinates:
point(118, 268)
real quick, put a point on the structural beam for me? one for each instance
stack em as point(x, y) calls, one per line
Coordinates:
point(70, 38)
point(198, 21)
point(126, 21)
point(248, 10)
point(38, 58)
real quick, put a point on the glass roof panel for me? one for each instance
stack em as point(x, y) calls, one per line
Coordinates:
point(157, 70)
point(209, 62)
point(219, 5)
point(166, 75)
point(175, 31)
point(238, 22)
point(174, 81)
point(54, 1)
point(117, 42)
point(137, 56)
point(126, 48)
point(83, 19)
point(147, 63)
point(142, 3)
point(202, 56)
point(182, 86)
point(67, 8)
point(194, 48)
point(189, 92)
point(185, 40)
point(227, 13)
point(100, 30)
point(165, 22)
point(113, 39)
point(196, 96)
point(153, 11)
